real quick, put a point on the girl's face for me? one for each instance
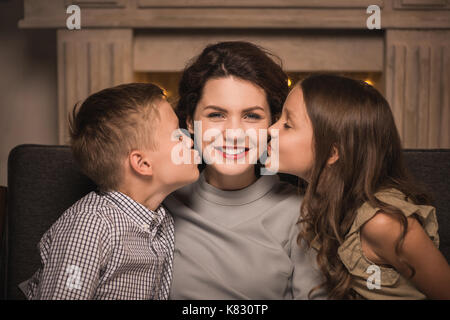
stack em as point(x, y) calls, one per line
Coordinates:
point(295, 137)
point(235, 106)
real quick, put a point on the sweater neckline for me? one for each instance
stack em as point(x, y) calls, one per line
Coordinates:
point(239, 197)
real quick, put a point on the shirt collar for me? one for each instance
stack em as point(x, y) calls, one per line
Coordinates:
point(240, 197)
point(144, 217)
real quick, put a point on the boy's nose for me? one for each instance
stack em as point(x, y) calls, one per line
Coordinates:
point(190, 142)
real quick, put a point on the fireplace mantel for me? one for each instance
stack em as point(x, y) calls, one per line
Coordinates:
point(121, 37)
point(321, 14)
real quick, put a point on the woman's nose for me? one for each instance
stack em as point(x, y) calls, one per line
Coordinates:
point(233, 123)
point(233, 129)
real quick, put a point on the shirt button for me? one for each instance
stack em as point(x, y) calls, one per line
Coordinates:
point(146, 227)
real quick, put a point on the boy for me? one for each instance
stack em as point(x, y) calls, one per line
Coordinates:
point(117, 242)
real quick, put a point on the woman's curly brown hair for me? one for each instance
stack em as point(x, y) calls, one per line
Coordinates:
point(240, 59)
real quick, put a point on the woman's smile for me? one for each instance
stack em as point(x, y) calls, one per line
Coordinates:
point(232, 152)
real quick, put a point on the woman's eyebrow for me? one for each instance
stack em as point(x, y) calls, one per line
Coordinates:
point(253, 108)
point(215, 108)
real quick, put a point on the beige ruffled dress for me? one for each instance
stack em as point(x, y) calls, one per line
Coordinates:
point(392, 285)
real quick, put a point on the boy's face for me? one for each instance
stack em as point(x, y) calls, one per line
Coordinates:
point(173, 161)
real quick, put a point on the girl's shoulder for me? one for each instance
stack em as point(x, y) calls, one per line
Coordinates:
point(426, 214)
point(360, 267)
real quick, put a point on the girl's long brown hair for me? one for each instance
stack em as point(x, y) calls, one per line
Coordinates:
point(352, 118)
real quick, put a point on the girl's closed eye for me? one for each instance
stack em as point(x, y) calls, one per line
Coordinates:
point(286, 126)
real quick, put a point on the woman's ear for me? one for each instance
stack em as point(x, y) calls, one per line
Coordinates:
point(190, 125)
point(140, 163)
point(334, 156)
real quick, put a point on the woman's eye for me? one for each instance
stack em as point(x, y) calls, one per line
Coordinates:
point(253, 116)
point(215, 115)
point(286, 125)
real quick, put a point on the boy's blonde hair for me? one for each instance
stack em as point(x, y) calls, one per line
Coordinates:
point(110, 124)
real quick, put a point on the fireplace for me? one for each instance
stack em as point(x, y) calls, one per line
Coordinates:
point(408, 59)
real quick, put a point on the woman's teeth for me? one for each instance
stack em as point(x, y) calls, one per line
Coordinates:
point(232, 151)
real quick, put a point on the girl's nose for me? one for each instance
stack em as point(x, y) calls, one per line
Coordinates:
point(272, 127)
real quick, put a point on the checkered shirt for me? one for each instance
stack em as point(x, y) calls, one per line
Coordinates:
point(106, 246)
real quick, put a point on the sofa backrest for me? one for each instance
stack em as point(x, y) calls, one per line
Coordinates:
point(43, 181)
point(431, 168)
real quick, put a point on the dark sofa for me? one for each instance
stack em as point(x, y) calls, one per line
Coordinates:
point(43, 181)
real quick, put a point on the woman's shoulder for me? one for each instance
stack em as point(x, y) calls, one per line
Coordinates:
point(286, 189)
point(283, 203)
point(287, 195)
point(179, 198)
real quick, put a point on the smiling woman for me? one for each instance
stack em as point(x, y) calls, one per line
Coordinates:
point(236, 233)
point(225, 113)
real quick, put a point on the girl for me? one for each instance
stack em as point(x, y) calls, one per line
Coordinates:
point(374, 231)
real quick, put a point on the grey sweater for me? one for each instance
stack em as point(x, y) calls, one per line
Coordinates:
point(239, 244)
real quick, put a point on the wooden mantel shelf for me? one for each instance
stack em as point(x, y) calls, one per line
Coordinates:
point(273, 14)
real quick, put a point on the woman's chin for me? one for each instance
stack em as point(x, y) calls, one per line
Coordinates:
point(232, 169)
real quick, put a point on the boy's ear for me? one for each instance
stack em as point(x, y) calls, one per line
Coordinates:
point(334, 156)
point(140, 163)
point(190, 125)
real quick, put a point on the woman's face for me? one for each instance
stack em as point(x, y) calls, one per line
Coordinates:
point(294, 137)
point(229, 108)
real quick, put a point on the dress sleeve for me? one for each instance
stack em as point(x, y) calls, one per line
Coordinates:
point(75, 255)
point(350, 251)
point(306, 274)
